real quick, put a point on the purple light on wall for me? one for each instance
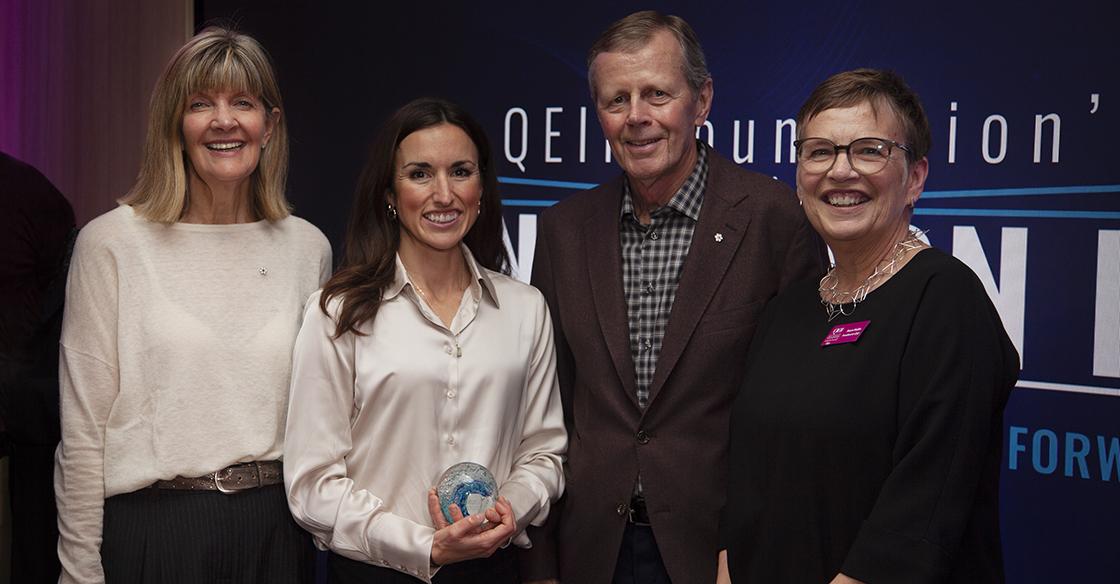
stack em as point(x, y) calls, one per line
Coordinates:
point(13, 26)
point(37, 76)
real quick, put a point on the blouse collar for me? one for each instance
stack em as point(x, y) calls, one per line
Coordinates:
point(480, 279)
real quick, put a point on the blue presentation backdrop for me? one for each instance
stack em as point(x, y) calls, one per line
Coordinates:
point(1024, 183)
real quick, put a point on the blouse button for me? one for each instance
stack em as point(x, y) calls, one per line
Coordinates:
point(451, 394)
point(450, 439)
point(643, 437)
point(447, 350)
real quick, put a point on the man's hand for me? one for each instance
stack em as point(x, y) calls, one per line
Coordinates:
point(842, 579)
point(470, 537)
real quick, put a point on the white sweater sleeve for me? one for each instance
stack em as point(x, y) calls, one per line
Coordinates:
point(349, 520)
point(88, 383)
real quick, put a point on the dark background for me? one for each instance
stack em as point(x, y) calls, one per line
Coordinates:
point(344, 67)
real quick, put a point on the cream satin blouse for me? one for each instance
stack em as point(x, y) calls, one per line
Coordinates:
point(374, 419)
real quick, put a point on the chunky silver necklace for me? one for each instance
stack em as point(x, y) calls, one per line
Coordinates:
point(843, 302)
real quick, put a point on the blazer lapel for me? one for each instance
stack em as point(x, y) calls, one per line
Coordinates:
point(604, 266)
point(723, 222)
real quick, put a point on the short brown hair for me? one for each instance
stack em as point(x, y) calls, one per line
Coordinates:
point(876, 87)
point(635, 31)
point(216, 58)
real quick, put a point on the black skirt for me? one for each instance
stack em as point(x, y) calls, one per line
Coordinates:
point(157, 536)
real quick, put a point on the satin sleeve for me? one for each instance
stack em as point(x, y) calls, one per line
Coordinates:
point(537, 477)
point(324, 500)
point(540, 562)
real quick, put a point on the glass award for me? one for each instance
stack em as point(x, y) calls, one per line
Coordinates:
point(468, 485)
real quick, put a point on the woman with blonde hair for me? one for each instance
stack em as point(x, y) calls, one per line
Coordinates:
point(181, 310)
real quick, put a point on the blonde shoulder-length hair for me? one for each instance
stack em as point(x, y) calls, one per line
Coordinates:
point(215, 59)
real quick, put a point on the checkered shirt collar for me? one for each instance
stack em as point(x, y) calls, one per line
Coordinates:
point(687, 199)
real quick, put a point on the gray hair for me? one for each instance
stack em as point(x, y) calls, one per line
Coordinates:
point(635, 31)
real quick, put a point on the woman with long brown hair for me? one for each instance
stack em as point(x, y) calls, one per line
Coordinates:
point(421, 352)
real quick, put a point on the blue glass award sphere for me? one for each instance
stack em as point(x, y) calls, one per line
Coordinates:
point(468, 485)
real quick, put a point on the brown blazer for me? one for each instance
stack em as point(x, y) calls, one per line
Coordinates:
point(752, 241)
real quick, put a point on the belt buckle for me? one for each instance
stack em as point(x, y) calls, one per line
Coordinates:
point(228, 472)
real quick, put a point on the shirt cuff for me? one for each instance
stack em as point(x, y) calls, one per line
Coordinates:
point(526, 505)
point(392, 542)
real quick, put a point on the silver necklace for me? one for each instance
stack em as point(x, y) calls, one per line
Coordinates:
point(843, 302)
point(420, 290)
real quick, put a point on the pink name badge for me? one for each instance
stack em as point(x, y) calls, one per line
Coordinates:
point(845, 333)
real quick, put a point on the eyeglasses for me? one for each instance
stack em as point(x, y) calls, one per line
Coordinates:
point(865, 155)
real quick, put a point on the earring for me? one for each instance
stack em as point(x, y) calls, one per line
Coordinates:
point(392, 211)
point(263, 145)
point(480, 207)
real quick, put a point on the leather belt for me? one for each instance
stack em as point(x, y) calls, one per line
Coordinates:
point(638, 514)
point(231, 479)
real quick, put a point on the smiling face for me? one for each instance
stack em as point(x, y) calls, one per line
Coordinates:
point(223, 133)
point(649, 113)
point(436, 189)
point(851, 210)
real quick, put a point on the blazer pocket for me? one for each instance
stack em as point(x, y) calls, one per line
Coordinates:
point(737, 318)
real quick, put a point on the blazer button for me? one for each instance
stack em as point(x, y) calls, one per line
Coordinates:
point(622, 509)
point(643, 438)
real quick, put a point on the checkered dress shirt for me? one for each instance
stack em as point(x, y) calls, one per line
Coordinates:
point(652, 256)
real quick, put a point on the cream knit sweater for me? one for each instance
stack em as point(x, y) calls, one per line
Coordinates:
point(175, 358)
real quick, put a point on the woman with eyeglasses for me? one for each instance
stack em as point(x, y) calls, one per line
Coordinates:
point(865, 442)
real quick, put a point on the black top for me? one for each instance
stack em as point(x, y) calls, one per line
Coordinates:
point(878, 458)
point(36, 236)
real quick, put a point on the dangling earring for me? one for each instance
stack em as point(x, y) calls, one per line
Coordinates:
point(480, 207)
point(392, 211)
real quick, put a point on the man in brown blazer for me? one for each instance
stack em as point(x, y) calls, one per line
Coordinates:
point(655, 281)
